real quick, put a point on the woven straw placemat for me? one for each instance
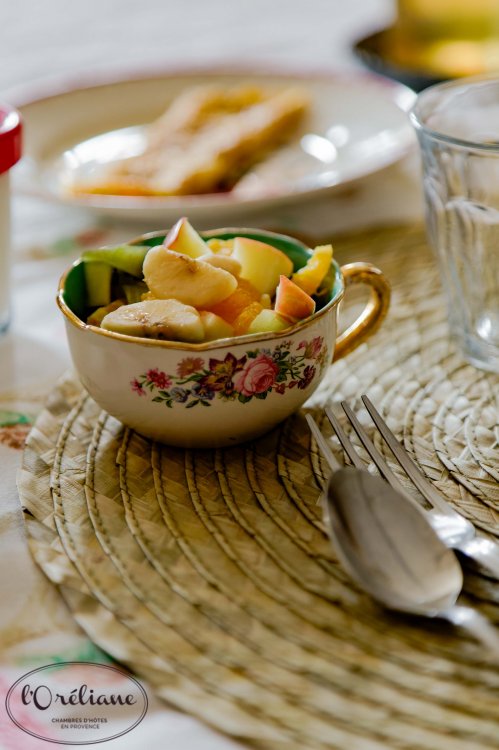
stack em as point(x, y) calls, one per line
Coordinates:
point(209, 573)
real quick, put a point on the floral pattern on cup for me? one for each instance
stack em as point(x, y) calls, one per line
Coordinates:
point(254, 375)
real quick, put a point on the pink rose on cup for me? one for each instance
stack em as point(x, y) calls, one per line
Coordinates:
point(312, 348)
point(258, 376)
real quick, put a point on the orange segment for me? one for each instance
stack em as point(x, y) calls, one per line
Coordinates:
point(246, 317)
point(233, 305)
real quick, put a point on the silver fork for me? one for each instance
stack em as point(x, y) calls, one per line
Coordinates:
point(453, 529)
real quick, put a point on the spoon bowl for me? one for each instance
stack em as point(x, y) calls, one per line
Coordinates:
point(388, 547)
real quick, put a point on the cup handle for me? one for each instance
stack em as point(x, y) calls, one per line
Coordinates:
point(373, 313)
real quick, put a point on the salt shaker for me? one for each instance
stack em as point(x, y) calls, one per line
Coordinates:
point(10, 153)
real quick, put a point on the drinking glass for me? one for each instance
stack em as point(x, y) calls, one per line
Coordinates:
point(457, 124)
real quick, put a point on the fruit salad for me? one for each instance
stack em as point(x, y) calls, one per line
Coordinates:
point(195, 290)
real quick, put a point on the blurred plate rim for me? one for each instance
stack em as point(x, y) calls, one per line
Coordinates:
point(398, 96)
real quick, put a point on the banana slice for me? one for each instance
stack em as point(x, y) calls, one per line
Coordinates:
point(222, 261)
point(157, 319)
point(171, 275)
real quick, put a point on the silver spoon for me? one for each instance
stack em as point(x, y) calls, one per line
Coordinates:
point(388, 547)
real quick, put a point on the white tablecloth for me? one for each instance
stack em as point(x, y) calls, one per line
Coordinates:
point(54, 38)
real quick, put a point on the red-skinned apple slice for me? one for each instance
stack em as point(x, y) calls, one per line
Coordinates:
point(292, 301)
point(184, 239)
point(261, 264)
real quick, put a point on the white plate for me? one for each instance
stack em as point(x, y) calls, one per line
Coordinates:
point(357, 125)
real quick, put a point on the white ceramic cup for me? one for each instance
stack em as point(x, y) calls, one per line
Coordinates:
point(10, 153)
point(223, 392)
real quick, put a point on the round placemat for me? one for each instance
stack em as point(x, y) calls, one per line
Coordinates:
point(210, 575)
point(482, 433)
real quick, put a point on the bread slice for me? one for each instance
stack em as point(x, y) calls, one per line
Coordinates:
point(205, 141)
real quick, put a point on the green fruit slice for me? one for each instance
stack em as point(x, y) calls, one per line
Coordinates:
point(98, 282)
point(129, 258)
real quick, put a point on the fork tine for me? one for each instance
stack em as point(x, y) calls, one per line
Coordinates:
point(326, 451)
point(412, 470)
point(345, 441)
point(376, 456)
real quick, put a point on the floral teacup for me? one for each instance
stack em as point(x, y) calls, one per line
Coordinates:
point(220, 392)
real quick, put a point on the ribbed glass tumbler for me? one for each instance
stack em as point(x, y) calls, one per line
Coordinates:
point(457, 125)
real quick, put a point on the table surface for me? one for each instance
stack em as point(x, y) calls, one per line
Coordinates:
point(44, 40)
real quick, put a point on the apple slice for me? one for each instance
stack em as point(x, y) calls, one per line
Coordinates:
point(214, 326)
point(157, 319)
point(292, 301)
point(268, 321)
point(261, 264)
point(310, 277)
point(172, 275)
point(184, 239)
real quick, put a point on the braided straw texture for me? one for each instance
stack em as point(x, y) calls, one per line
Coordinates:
point(209, 573)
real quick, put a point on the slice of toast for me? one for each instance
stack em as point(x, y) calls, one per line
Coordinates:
point(205, 141)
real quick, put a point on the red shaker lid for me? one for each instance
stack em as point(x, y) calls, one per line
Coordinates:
point(10, 137)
